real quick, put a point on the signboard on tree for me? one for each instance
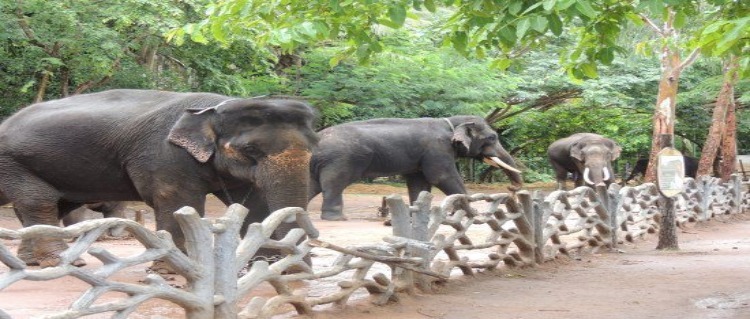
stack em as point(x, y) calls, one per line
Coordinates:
point(670, 172)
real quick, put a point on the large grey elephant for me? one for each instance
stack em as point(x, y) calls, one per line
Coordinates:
point(163, 148)
point(423, 151)
point(587, 156)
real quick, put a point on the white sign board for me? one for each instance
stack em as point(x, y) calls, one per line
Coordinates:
point(670, 172)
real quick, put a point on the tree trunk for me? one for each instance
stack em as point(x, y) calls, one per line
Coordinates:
point(667, 227)
point(43, 82)
point(729, 139)
point(666, 100)
point(664, 112)
point(718, 121)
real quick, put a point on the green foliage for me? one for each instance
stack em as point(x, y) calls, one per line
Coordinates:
point(85, 45)
point(429, 82)
point(728, 33)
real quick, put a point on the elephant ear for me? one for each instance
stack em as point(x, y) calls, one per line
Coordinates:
point(193, 132)
point(463, 133)
point(576, 151)
point(616, 151)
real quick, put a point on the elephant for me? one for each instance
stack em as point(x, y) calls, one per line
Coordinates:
point(108, 209)
point(691, 168)
point(424, 151)
point(167, 149)
point(587, 156)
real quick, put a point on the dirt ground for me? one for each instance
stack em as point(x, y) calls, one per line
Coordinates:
point(709, 277)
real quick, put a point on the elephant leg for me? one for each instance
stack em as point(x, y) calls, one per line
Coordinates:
point(333, 184)
point(76, 216)
point(165, 205)
point(578, 179)
point(561, 175)
point(416, 183)
point(39, 207)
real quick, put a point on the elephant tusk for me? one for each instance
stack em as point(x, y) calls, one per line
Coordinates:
point(497, 162)
point(606, 174)
point(586, 176)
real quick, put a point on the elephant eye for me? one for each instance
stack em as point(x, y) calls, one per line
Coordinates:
point(252, 150)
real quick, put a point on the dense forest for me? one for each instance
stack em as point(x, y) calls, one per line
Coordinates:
point(538, 71)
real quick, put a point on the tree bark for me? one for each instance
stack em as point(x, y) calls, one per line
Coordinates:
point(664, 112)
point(729, 138)
point(718, 122)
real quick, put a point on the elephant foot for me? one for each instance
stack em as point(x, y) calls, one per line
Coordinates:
point(52, 261)
point(26, 253)
point(333, 216)
point(161, 267)
point(44, 253)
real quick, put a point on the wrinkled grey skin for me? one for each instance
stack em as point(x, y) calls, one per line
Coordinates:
point(424, 151)
point(166, 149)
point(579, 151)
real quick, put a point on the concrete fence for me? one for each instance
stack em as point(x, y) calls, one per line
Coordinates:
point(430, 244)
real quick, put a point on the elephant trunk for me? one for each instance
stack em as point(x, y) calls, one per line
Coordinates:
point(284, 178)
point(504, 161)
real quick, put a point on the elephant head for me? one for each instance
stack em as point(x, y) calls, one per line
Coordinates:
point(257, 143)
point(475, 138)
point(594, 155)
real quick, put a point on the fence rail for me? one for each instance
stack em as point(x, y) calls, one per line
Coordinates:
point(430, 243)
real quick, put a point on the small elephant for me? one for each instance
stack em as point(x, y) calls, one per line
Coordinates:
point(166, 149)
point(587, 156)
point(691, 168)
point(423, 151)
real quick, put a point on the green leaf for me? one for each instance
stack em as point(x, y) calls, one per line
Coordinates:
point(564, 4)
point(397, 15)
point(584, 7)
point(459, 41)
point(515, 7)
point(589, 70)
point(548, 4)
point(606, 55)
point(522, 27)
point(680, 18)
point(430, 5)
point(539, 24)
point(217, 31)
point(502, 64)
point(555, 25)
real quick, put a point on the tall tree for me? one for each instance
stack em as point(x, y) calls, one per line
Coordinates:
point(728, 37)
point(722, 134)
point(672, 65)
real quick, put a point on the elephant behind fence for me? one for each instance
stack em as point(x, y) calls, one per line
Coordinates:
point(587, 156)
point(423, 151)
point(166, 149)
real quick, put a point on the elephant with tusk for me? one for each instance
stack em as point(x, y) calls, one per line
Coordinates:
point(424, 151)
point(587, 156)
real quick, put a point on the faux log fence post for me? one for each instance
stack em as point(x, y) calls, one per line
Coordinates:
point(534, 230)
point(197, 233)
point(736, 187)
point(538, 202)
point(420, 220)
point(401, 222)
point(226, 240)
point(611, 200)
